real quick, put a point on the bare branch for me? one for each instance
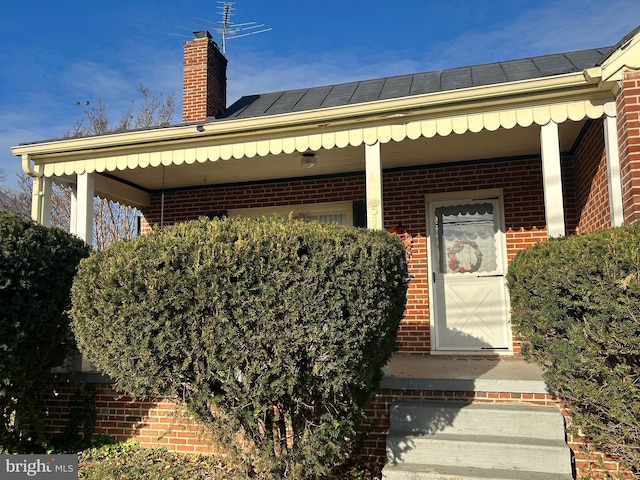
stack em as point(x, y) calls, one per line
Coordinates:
point(112, 221)
point(98, 118)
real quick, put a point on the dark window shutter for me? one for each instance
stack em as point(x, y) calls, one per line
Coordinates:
point(359, 214)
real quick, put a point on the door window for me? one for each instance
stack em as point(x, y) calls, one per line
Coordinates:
point(465, 236)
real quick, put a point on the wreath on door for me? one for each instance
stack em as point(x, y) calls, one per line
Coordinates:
point(454, 262)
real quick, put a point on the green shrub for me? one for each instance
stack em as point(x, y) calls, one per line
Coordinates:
point(37, 265)
point(276, 330)
point(576, 306)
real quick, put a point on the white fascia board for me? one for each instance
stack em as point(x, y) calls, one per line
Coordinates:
point(455, 100)
point(626, 57)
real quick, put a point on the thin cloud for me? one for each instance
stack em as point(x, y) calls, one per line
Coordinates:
point(94, 80)
point(553, 28)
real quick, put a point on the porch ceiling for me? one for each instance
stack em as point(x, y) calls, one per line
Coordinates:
point(501, 143)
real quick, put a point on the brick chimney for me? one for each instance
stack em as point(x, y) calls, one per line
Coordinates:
point(204, 88)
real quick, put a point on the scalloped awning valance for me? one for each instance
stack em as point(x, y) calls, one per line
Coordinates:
point(465, 122)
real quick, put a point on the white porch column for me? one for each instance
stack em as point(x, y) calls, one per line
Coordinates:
point(82, 208)
point(47, 192)
point(373, 168)
point(41, 200)
point(36, 203)
point(613, 164)
point(81, 224)
point(552, 180)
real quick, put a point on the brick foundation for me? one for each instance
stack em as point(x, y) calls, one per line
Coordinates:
point(163, 423)
point(152, 423)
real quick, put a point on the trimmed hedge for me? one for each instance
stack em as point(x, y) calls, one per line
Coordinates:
point(275, 329)
point(37, 265)
point(576, 306)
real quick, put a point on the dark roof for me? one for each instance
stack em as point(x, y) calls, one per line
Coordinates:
point(414, 84)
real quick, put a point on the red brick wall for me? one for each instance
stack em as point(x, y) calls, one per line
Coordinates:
point(404, 196)
point(590, 168)
point(151, 423)
point(414, 335)
point(628, 121)
point(204, 79)
point(592, 189)
point(404, 202)
point(189, 204)
point(584, 186)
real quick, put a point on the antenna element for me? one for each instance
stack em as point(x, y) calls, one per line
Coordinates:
point(226, 28)
point(229, 30)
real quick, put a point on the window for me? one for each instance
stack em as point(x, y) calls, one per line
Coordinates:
point(465, 236)
point(334, 212)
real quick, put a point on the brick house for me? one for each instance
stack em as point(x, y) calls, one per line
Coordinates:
point(475, 163)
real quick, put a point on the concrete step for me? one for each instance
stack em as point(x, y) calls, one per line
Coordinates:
point(518, 420)
point(455, 374)
point(408, 471)
point(481, 451)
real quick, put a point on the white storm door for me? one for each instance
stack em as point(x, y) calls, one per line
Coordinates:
point(470, 310)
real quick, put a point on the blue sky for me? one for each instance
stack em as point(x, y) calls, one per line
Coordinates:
point(53, 54)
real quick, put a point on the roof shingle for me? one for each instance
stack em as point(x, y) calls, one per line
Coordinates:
point(414, 84)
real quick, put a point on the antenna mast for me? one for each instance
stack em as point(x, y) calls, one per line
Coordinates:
point(226, 21)
point(230, 30)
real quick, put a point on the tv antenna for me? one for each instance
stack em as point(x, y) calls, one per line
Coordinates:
point(228, 29)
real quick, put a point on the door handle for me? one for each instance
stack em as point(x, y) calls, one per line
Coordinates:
point(491, 276)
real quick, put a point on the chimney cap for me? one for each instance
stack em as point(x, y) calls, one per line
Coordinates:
point(202, 34)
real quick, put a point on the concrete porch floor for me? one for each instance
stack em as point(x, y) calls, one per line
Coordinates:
point(464, 374)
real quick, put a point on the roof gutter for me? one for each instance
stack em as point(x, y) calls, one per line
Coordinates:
point(521, 92)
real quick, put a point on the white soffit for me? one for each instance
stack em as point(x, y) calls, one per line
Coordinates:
point(413, 129)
